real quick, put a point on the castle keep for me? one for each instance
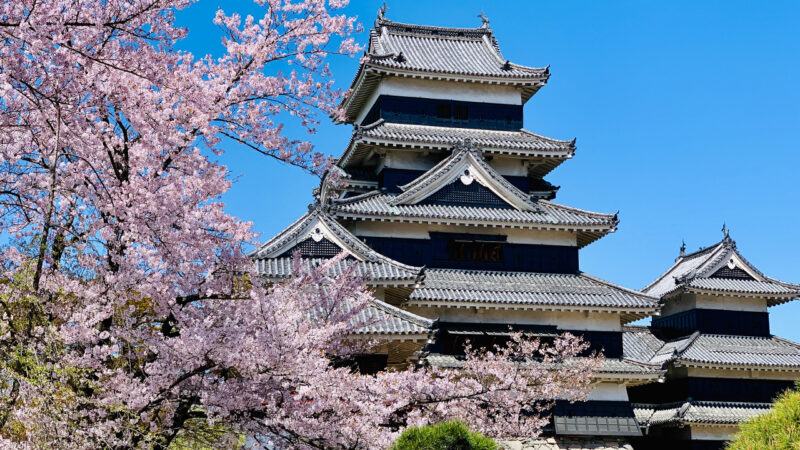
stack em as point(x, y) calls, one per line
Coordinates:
point(449, 218)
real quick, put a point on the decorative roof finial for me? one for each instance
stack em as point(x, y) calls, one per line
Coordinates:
point(725, 231)
point(484, 20)
point(683, 247)
point(382, 11)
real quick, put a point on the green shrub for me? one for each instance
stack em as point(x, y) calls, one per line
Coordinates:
point(777, 429)
point(451, 435)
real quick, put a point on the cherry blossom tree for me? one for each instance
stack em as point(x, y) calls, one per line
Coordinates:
point(131, 315)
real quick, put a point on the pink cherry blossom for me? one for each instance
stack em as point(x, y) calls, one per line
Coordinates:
point(131, 315)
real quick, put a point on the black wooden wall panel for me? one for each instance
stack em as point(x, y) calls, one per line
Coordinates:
point(438, 252)
point(714, 321)
point(447, 113)
point(709, 389)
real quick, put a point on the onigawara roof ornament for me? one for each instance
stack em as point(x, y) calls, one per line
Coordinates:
point(484, 20)
point(382, 11)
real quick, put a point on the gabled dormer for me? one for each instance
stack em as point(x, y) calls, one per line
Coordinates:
point(717, 290)
point(464, 178)
point(317, 237)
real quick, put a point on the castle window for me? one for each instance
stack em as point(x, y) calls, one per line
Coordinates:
point(443, 110)
point(460, 112)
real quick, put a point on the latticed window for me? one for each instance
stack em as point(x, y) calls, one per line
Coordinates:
point(727, 272)
point(474, 194)
point(312, 249)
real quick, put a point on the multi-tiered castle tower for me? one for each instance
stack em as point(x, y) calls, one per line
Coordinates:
point(713, 338)
point(449, 218)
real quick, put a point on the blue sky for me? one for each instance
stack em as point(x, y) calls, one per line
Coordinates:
point(687, 115)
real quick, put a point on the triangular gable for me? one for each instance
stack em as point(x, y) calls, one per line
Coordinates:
point(729, 262)
point(466, 165)
point(473, 194)
point(313, 228)
point(706, 268)
point(320, 232)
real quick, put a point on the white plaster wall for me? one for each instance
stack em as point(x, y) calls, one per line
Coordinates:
point(731, 303)
point(742, 374)
point(420, 231)
point(710, 433)
point(509, 166)
point(608, 392)
point(689, 301)
point(678, 304)
point(444, 90)
point(408, 160)
point(567, 320)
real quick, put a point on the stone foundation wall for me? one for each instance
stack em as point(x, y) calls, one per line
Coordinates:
point(565, 444)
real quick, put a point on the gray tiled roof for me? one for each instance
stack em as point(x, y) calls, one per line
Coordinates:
point(518, 143)
point(380, 318)
point(696, 272)
point(463, 51)
point(371, 265)
point(526, 288)
point(640, 344)
point(609, 366)
point(522, 142)
point(420, 51)
point(742, 350)
point(547, 215)
point(698, 412)
point(369, 271)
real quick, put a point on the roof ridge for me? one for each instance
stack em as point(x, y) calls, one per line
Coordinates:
point(388, 23)
point(749, 264)
point(614, 285)
point(685, 346)
point(571, 141)
point(713, 258)
point(369, 126)
point(786, 341)
point(281, 234)
point(734, 404)
point(737, 336)
point(636, 328)
point(401, 313)
point(680, 260)
point(783, 283)
point(572, 208)
point(356, 198)
point(491, 272)
point(701, 250)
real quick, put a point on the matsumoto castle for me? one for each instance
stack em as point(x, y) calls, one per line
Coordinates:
point(449, 217)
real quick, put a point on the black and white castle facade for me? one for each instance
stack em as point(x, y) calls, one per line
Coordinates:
point(449, 219)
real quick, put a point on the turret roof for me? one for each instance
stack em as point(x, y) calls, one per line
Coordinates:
point(441, 53)
point(445, 50)
point(720, 268)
